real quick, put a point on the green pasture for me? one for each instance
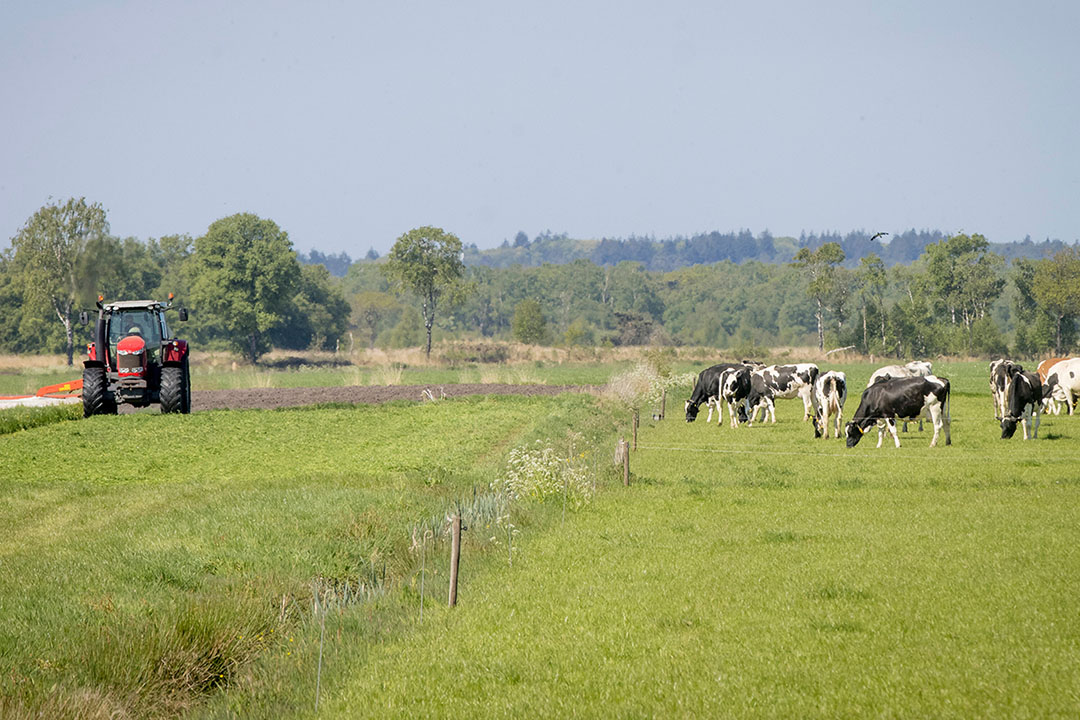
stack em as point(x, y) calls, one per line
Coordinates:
point(165, 566)
point(758, 572)
point(148, 563)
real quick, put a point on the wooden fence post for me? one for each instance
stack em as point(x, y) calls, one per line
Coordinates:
point(663, 404)
point(455, 557)
point(624, 448)
point(637, 417)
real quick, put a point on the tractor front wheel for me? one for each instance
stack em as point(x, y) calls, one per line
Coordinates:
point(95, 395)
point(175, 389)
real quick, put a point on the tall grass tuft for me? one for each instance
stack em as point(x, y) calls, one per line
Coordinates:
point(24, 418)
point(388, 375)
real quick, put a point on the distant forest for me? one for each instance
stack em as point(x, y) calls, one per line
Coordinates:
point(703, 249)
point(743, 246)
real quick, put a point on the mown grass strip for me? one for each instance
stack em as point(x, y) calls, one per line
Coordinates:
point(151, 563)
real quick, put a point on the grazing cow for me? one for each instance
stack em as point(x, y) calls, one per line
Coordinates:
point(1050, 405)
point(1001, 373)
point(706, 388)
point(714, 406)
point(915, 368)
point(830, 394)
point(760, 399)
point(1063, 382)
point(1025, 396)
point(905, 398)
point(734, 387)
point(790, 381)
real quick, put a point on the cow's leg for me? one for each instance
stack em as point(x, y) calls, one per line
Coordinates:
point(891, 424)
point(1025, 421)
point(934, 411)
point(733, 414)
point(1035, 411)
point(839, 421)
point(880, 431)
point(771, 410)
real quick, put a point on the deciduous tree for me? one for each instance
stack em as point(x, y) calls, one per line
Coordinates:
point(821, 268)
point(245, 273)
point(1056, 287)
point(49, 252)
point(530, 325)
point(427, 262)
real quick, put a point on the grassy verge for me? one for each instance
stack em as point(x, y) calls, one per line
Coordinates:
point(152, 564)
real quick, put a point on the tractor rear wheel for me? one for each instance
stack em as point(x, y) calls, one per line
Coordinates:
point(175, 390)
point(95, 394)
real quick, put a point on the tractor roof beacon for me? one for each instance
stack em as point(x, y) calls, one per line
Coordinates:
point(135, 359)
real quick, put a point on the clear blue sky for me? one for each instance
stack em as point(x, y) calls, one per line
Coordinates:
point(349, 123)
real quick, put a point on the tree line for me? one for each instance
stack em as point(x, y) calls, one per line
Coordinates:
point(902, 248)
point(247, 289)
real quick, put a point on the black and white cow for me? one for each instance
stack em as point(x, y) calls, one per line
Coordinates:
point(760, 399)
point(830, 394)
point(706, 388)
point(915, 368)
point(904, 398)
point(1024, 399)
point(1001, 372)
point(734, 388)
point(786, 382)
point(1063, 381)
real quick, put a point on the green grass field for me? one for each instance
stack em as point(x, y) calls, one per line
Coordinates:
point(758, 572)
point(146, 559)
point(748, 572)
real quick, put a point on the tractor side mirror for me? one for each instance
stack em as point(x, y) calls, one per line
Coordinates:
point(84, 318)
point(183, 314)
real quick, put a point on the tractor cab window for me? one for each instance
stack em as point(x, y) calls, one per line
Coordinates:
point(143, 323)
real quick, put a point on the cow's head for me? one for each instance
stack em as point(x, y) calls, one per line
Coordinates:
point(853, 433)
point(691, 411)
point(1008, 427)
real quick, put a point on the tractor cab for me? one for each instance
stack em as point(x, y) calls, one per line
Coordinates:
point(132, 329)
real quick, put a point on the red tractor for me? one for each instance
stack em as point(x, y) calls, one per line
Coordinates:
point(134, 359)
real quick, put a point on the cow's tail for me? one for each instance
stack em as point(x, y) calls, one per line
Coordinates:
point(945, 411)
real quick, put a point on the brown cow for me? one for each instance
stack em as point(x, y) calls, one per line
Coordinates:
point(1050, 404)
